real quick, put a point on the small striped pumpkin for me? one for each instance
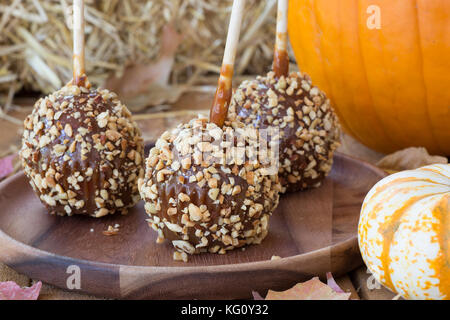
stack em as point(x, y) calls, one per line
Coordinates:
point(404, 232)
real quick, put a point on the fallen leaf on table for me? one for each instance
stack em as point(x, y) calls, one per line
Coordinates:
point(409, 158)
point(6, 166)
point(257, 296)
point(142, 85)
point(12, 291)
point(313, 289)
point(332, 283)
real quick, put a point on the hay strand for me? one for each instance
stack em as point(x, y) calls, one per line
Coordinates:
point(36, 41)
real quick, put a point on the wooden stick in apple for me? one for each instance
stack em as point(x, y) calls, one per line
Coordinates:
point(79, 76)
point(223, 94)
point(280, 56)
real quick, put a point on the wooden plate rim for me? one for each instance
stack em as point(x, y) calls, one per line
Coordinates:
point(29, 251)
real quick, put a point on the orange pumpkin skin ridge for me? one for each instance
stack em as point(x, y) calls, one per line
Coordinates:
point(442, 263)
point(402, 232)
point(397, 96)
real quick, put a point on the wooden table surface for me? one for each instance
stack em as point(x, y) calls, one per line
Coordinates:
point(359, 282)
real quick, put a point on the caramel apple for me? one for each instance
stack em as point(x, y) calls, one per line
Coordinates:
point(309, 129)
point(81, 150)
point(198, 195)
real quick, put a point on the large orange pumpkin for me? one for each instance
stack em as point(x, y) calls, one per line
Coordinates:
point(384, 64)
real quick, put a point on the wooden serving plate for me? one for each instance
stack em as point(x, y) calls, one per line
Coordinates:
point(313, 232)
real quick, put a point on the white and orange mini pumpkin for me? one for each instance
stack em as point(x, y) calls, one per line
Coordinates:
point(404, 232)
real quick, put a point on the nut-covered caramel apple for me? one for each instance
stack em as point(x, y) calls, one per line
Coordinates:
point(201, 201)
point(309, 129)
point(80, 149)
point(204, 188)
point(82, 152)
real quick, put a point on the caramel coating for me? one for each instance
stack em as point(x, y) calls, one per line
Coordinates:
point(201, 202)
point(309, 129)
point(82, 152)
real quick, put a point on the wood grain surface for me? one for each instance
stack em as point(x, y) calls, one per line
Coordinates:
point(313, 232)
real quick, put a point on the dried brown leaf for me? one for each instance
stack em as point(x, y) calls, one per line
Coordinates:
point(409, 158)
point(313, 289)
point(141, 78)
